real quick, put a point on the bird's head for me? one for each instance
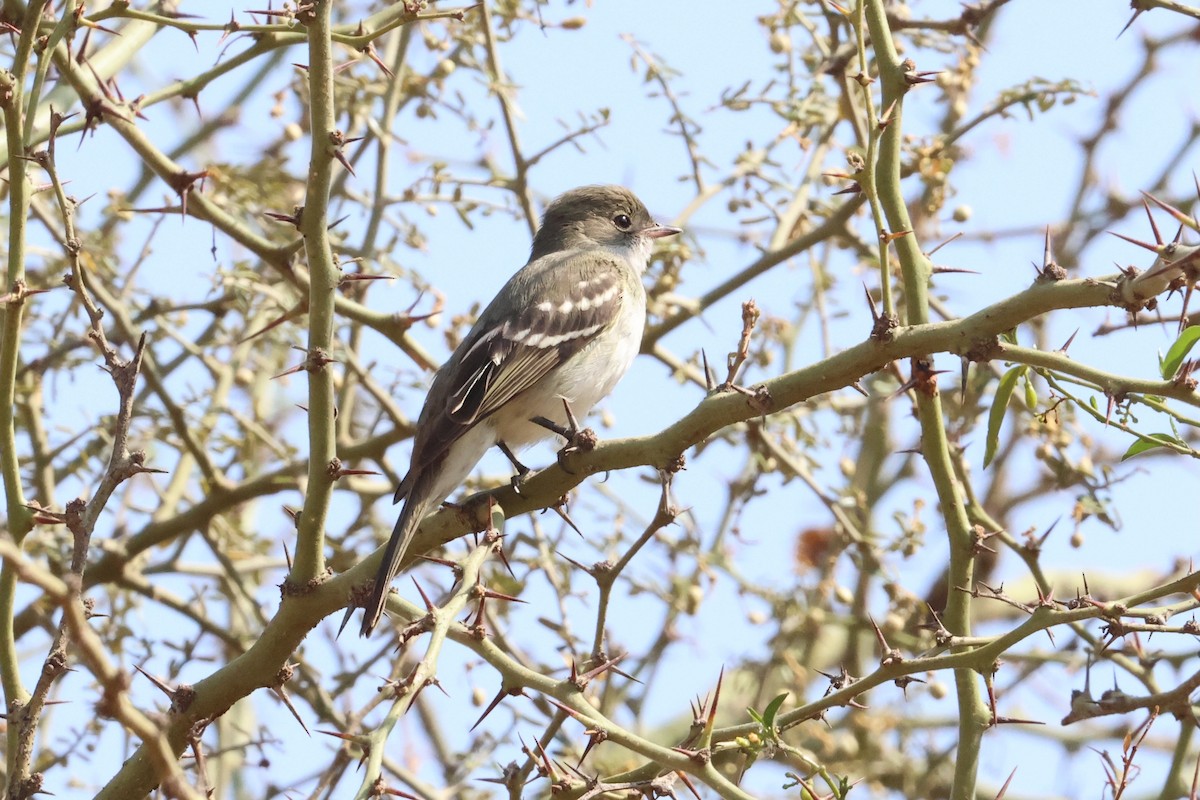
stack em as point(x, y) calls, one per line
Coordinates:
point(611, 217)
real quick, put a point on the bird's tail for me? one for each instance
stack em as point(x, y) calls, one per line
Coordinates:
point(415, 509)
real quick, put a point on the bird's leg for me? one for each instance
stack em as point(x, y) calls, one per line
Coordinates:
point(578, 439)
point(521, 469)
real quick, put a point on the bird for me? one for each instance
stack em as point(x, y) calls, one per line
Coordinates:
point(554, 341)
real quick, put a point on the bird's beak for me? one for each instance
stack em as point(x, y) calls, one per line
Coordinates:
point(657, 231)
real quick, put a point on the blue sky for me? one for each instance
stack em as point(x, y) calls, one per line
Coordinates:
point(1019, 176)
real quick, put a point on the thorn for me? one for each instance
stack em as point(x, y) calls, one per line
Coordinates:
point(1067, 343)
point(885, 118)
point(943, 244)
point(1152, 248)
point(564, 708)
point(917, 78)
point(1004, 788)
point(162, 685)
point(1153, 225)
point(575, 563)
point(688, 783)
point(712, 712)
point(595, 737)
point(499, 550)
point(483, 591)
point(293, 370)
point(503, 693)
point(887, 237)
point(559, 508)
point(345, 620)
point(341, 157)
point(1179, 216)
point(1136, 14)
point(585, 678)
point(966, 374)
point(424, 597)
point(292, 219)
point(371, 54)
point(233, 26)
point(1183, 315)
point(871, 305)
point(282, 695)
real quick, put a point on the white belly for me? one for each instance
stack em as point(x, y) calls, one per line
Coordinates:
point(582, 381)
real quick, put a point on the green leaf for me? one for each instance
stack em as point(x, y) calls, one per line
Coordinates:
point(768, 717)
point(1008, 382)
point(1030, 393)
point(1178, 351)
point(1151, 442)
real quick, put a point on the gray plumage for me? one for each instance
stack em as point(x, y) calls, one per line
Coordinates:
point(567, 326)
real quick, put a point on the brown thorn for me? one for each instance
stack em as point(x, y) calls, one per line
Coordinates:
point(1004, 788)
point(370, 51)
point(595, 737)
point(930, 253)
point(503, 693)
point(888, 237)
point(712, 712)
point(710, 380)
point(573, 562)
point(1136, 14)
point(163, 687)
point(341, 157)
point(1187, 298)
point(1172, 210)
point(424, 597)
point(493, 594)
point(295, 369)
point(688, 783)
point(871, 304)
point(1151, 247)
point(559, 508)
point(965, 376)
point(1153, 225)
point(586, 677)
point(562, 707)
point(287, 701)
point(885, 118)
point(547, 762)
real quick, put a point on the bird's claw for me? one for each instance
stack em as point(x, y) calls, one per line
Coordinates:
point(521, 469)
point(579, 440)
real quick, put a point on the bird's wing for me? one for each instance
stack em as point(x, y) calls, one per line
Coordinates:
point(561, 303)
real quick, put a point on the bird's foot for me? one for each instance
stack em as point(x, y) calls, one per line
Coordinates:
point(522, 470)
point(579, 440)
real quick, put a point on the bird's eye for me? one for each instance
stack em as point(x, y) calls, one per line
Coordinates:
point(623, 221)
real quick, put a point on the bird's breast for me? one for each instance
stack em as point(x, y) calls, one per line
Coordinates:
point(583, 380)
